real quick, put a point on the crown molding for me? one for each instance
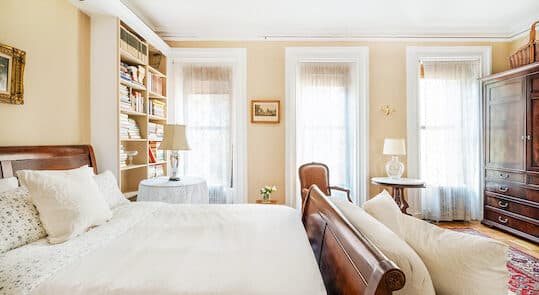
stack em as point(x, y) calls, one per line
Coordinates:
point(118, 9)
point(395, 38)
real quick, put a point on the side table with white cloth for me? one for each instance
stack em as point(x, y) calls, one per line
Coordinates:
point(188, 190)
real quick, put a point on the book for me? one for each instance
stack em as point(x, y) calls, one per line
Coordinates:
point(151, 155)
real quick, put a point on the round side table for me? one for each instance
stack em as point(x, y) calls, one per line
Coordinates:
point(398, 185)
point(189, 190)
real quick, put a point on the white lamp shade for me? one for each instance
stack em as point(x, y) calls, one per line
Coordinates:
point(174, 138)
point(394, 146)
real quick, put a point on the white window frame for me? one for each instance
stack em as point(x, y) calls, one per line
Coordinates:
point(414, 54)
point(238, 58)
point(359, 56)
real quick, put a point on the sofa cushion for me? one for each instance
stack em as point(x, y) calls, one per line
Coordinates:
point(418, 280)
point(384, 209)
point(459, 263)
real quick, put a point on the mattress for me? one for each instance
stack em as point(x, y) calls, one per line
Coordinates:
point(157, 248)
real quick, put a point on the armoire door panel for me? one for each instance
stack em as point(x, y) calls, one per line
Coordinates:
point(532, 135)
point(505, 125)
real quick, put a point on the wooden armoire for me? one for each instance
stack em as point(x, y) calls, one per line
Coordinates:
point(511, 142)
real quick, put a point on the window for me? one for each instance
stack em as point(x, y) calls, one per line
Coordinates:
point(207, 105)
point(327, 116)
point(325, 120)
point(444, 130)
point(449, 139)
point(209, 101)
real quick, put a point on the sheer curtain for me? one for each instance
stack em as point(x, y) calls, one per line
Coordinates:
point(324, 120)
point(207, 112)
point(449, 103)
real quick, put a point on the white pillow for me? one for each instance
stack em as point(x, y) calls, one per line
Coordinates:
point(22, 179)
point(68, 202)
point(384, 209)
point(8, 184)
point(108, 186)
point(459, 263)
point(19, 220)
point(418, 280)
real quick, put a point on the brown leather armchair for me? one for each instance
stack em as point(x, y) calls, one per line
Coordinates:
point(317, 173)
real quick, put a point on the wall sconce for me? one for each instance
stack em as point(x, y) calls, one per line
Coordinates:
point(387, 110)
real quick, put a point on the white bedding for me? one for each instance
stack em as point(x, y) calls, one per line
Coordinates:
point(154, 248)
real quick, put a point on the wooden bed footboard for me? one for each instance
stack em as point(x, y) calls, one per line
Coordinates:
point(349, 263)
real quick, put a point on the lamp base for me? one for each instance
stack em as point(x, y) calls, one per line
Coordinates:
point(394, 168)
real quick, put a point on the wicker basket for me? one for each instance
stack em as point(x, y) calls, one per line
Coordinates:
point(527, 54)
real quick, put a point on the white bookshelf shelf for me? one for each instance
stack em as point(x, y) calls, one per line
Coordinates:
point(129, 58)
point(134, 166)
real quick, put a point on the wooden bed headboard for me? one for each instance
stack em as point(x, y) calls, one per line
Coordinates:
point(349, 263)
point(54, 157)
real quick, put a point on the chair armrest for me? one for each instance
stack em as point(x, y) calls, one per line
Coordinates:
point(342, 189)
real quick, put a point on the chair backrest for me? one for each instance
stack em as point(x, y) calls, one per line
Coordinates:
point(314, 173)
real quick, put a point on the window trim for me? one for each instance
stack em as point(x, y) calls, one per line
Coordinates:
point(238, 58)
point(414, 54)
point(360, 57)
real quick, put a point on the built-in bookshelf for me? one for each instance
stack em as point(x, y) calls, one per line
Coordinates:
point(136, 110)
point(143, 109)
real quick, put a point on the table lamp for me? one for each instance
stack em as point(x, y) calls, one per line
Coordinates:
point(394, 147)
point(174, 140)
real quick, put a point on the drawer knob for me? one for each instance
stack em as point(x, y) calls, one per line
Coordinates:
point(502, 220)
point(504, 175)
point(503, 204)
point(503, 189)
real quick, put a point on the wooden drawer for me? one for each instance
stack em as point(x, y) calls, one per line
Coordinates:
point(499, 217)
point(507, 176)
point(511, 206)
point(512, 189)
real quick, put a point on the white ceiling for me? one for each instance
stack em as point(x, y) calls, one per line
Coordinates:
point(255, 19)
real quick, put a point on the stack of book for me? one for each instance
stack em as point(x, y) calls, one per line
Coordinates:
point(133, 74)
point(123, 156)
point(155, 84)
point(134, 131)
point(131, 100)
point(157, 108)
point(133, 45)
point(124, 126)
point(155, 131)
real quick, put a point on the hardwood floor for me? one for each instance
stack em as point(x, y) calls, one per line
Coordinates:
point(521, 244)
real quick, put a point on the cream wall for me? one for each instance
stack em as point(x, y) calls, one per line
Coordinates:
point(56, 38)
point(266, 79)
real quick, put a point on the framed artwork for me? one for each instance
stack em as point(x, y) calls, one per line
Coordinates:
point(12, 61)
point(266, 111)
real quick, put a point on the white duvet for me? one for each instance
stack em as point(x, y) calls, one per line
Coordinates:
point(153, 248)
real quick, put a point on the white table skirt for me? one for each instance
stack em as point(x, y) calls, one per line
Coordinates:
point(189, 190)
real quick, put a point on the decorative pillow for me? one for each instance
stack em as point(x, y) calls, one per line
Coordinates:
point(418, 280)
point(19, 220)
point(384, 209)
point(459, 263)
point(68, 203)
point(8, 184)
point(108, 186)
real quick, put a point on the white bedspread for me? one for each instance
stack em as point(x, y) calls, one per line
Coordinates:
point(153, 248)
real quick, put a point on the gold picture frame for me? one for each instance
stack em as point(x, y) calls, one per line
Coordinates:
point(12, 61)
point(266, 111)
